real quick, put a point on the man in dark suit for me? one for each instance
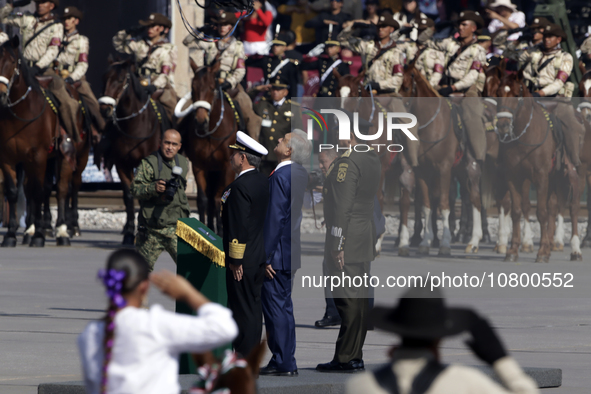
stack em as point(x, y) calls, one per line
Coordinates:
point(244, 205)
point(287, 185)
point(349, 193)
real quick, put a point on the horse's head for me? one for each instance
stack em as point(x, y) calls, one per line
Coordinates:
point(510, 93)
point(414, 84)
point(350, 86)
point(115, 81)
point(203, 88)
point(585, 92)
point(494, 75)
point(9, 67)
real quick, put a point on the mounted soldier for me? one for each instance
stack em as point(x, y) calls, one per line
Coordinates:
point(155, 56)
point(428, 61)
point(384, 65)
point(547, 70)
point(464, 60)
point(42, 35)
point(232, 69)
point(72, 62)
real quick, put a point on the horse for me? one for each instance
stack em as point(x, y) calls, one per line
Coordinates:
point(438, 153)
point(30, 130)
point(206, 136)
point(527, 154)
point(132, 132)
point(232, 373)
point(584, 170)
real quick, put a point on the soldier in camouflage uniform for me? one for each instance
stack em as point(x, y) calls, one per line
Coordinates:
point(429, 61)
point(156, 57)
point(232, 68)
point(280, 116)
point(3, 37)
point(546, 72)
point(42, 35)
point(158, 216)
point(384, 64)
point(515, 48)
point(464, 61)
point(72, 62)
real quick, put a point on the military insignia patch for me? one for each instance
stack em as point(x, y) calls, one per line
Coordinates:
point(225, 196)
point(342, 172)
point(288, 113)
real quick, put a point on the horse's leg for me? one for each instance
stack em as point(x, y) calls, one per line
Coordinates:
point(542, 182)
point(474, 171)
point(63, 182)
point(513, 252)
point(50, 172)
point(211, 191)
point(527, 240)
point(126, 177)
point(2, 199)
point(555, 205)
point(35, 181)
point(586, 176)
point(418, 225)
point(12, 198)
point(381, 198)
point(74, 227)
point(504, 223)
point(453, 196)
point(444, 204)
point(426, 208)
point(403, 246)
point(574, 182)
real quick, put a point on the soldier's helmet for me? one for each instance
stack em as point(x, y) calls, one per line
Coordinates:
point(156, 18)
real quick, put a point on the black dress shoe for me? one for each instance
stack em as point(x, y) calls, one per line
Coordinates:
point(270, 371)
point(328, 321)
point(333, 366)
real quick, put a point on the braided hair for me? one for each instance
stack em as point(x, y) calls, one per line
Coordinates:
point(125, 270)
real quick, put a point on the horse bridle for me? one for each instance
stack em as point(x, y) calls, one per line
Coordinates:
point(510, 113)
point(16, 72)
point(107, 100)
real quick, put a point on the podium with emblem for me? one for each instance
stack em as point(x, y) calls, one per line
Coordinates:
point(201, 260)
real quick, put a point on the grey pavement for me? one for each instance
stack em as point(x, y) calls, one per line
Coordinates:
point(47, 296)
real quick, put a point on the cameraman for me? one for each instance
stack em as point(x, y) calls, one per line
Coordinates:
point(159, 185)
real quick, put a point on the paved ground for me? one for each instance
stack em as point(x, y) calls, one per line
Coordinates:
point(47, 296)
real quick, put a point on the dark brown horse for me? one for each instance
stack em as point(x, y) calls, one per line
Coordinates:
point(29, 131)
point(208, 127)
point(133, 130)
point(584, 169)
point(527, 153)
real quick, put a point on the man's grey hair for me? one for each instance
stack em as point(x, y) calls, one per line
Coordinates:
point(301, 147)
point(253, 160)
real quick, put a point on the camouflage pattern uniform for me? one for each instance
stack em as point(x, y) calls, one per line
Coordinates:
point(387, 71)
point(159, 63)
point(151, 241)
point(429, 63)
point(41, 52)
point(552, 80)
point(73, 63)
point(463, 74)
point(3, 38)
point(233, 71)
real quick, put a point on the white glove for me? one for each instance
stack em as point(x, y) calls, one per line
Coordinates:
point(317, 50)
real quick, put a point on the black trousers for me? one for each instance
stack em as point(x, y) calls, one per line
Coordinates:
point(244, 299)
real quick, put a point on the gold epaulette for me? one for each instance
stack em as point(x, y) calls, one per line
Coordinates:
point(347, 153)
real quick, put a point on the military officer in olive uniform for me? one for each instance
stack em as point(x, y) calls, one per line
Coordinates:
point(158, 213)
point(325, 64)
point(546, 71)
point(465, 58)
point(276, 64)
point(42, 35)
point(280, 116)
point(349, 191)
point(72, 62)
point(156, 57)
point(232, 67)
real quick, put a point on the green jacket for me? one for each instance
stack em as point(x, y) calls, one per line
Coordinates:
point(350, 188)
point(155, 211)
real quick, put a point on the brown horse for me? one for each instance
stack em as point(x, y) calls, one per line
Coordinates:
point(584, 169)
point(237, 375)
point(527, 153)
point(206, 136)
point(30, 129)
point(437, 155)
point(133, 131)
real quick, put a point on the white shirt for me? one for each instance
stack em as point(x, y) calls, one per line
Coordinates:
point(244, 172)
point(279, 103)
point(516, 17)
point(283, 164)
point(147, 345)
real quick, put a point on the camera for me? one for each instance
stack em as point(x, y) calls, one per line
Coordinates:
point(315, 178)
point(173, 183)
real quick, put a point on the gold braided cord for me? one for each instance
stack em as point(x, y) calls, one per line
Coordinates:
point(233, 107)
point(158, 114)
point(201, 244)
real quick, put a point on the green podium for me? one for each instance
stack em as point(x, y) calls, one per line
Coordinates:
point(200, 260)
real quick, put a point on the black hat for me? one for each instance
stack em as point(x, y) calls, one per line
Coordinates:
point(473, 16)
point(554, 30)
point(247, 144)
point(419, 315)
point(387, 19)
point(539, 22)
point(280, 82)
point(156, 18)
point(226, 18)
point(72, 12)
point(330, 41)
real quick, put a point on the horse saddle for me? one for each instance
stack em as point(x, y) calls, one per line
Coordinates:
point(233, 92)
point(44, 80)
